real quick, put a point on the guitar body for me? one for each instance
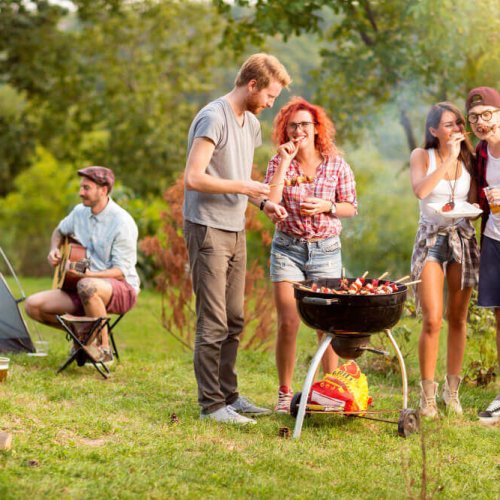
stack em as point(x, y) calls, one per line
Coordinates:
point(73, 258)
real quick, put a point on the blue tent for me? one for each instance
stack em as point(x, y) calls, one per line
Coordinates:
point(14, 335)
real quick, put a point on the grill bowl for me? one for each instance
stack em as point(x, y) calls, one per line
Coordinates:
point(348, 314)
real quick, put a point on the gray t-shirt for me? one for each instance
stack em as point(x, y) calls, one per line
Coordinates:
point(232, 159)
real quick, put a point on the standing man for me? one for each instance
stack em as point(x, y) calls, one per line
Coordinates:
point(221, 144)
point(109, 234)
point(483, 110)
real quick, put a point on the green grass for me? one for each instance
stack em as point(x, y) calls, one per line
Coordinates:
point(79, 436)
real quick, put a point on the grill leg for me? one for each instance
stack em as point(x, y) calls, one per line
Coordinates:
point(308, 383)
point(403, 369)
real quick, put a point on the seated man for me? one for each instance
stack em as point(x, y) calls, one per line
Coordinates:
point(109, 234)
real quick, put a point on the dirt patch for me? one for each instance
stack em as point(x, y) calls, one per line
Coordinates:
point(66, 437)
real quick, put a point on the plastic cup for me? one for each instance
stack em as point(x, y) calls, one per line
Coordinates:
point(41, 348)
point(494, 208)
point(4, 369)
point(306, 191)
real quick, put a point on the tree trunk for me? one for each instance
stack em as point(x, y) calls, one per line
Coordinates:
point(406, 124)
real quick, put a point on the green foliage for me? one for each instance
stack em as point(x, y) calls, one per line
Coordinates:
point(117, 87)
point(146, 211)
point(375, 53)
point(28, 215)
point(380, 238)
point(482, 369)
point(16, 141)
point(32, 46)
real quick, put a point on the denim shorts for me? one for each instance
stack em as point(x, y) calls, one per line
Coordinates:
point(295, 259)
point(441, 251)
point(489, 273)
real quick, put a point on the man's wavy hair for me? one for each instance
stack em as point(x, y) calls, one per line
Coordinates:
point(325, 129)
point(263, 68)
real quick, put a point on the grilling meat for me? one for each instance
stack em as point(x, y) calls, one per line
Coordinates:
point(358, 287)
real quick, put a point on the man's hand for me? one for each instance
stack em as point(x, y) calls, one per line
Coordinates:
point(54, 257)
point(254, 189)
point(493, 195)
point(275, 211)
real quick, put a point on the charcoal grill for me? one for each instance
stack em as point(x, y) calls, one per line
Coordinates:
point(348, 321)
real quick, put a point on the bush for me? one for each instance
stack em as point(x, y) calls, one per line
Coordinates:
point(169, 254)
point(41, 198)
point(481, 346)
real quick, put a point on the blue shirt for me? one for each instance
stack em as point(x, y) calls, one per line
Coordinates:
point(110, 238)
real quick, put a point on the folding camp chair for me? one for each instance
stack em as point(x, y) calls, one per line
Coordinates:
point(83, 330)
point(111, 326)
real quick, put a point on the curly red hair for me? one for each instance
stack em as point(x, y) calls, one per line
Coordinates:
point(325, 136)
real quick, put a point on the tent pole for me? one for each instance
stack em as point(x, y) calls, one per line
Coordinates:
point(11, 269)
point(23, 295)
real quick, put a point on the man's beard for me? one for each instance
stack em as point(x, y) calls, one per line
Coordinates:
point(253, 106)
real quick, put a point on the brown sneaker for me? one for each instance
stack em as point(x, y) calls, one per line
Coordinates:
point(428, 406)
point(106, 356)
point(99, 354)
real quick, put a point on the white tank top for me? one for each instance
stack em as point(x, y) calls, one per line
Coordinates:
point(442, 194)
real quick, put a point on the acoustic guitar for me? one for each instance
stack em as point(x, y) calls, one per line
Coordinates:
point(73, 258)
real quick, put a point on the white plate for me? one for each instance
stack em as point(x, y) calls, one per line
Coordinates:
point(462, 209)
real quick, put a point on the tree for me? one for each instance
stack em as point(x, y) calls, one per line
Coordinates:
point(114, 83)
point(29, 213)
point(32, 45)
point(373, 53)
point(16, 137)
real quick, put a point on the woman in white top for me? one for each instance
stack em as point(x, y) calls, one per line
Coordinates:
point(445, 248)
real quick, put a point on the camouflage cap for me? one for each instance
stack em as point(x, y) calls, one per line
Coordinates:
point(482, 96)
point(100, 175)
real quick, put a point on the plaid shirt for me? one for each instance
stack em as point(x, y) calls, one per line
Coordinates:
point(481, 163)
point(462, 241)
point(334, 181)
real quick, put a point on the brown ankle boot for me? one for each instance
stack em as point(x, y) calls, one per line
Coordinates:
point(428, 406)
point(450, 394)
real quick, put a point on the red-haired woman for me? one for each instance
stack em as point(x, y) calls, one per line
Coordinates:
point(316, 186)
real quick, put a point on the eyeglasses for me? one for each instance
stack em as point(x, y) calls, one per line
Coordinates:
point(295, 126)
point(485, 115)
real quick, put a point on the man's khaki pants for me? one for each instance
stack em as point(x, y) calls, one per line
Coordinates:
point(218, 262)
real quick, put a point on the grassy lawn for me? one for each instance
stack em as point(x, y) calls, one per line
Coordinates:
point(79, 436)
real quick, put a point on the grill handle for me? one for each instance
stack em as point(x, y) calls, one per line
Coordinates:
point(318, 301)
point(373, 349)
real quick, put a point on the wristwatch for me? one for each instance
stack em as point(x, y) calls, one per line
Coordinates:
point(263, 202)
point(333, 208)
